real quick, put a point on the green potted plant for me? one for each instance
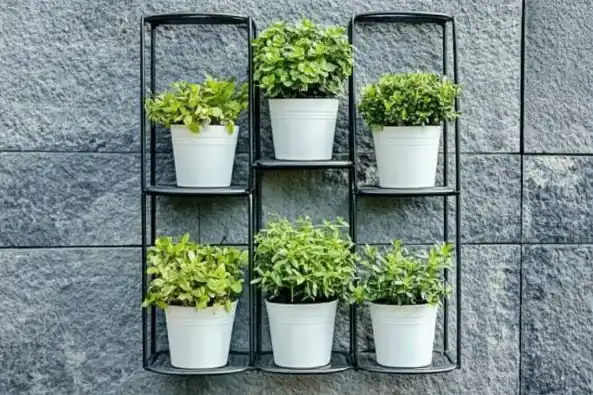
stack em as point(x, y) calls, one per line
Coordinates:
point(202, 118)
point(303, 270)
point(406, 112)
point(404, 291)
point(302, 70)
point(198, 287)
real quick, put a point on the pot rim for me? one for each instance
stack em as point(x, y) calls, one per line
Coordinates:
point(295, 305)
point(408, 127)
point(206, 308)
point(305, 98)
point(425, 305)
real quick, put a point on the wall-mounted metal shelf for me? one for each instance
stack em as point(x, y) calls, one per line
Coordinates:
point(256, 357)
point(340, 362)
point(160, 362)
point(442, 361)
point(153, 359)
point(293, 164)
point(181, 191)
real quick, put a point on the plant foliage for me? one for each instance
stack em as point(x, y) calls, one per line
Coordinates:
point(215, 102)
point(302, 61)
point(299, 262)
point(397, 277)
point(409, 99)
point(190, 274)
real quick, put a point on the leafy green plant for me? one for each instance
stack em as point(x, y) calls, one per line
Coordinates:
point(409, 99)
point(302, 61)
point(397, 277)
point(189, 274)
point(215, 102)
point(299, 262)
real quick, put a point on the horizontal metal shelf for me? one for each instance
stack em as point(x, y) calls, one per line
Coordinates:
point(161, 363)
point(403, 17)
point(406, 192)
point(441, 363)
point(196, 19)
point(339, 362)
point(173, 190)
point(297, 164)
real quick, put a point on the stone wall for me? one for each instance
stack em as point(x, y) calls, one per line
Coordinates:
point(70, 191)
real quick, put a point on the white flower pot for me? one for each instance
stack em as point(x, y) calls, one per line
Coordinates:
point(199, 339)
point(404, 335)
point(302, 334)
point(303, 129)
point(407, 156)
point(204, 159)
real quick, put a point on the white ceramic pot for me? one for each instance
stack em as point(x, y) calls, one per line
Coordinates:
point(407, 156)
point(199, 339)
point(302, 334)
point(204, 159)
point(404, 335)
point(303, 129)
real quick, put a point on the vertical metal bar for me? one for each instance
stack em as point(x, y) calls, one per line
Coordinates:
point(251, 288)
point(352, 191)
point(445, 200)
point(351, 100)
point(257, 212)
point(250, 34)
point(143, 195)
point(258, 305)
point(457, 201)
point(152, 175)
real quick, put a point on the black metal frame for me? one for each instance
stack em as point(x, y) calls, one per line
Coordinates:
point(446, 363)
point(153, 360)
point(256, 357)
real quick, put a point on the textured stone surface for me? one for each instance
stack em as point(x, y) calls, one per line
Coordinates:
point(489, 52)
point(557, 79)
point(69, 199)
point(557, 311)
point(72, 324)
point(78, 90)
point(557, 205)
point(491, 202)
point(71, 70)
point(91, 318)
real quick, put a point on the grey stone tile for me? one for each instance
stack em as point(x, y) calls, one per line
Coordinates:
point(232, 227)
point(288, 193)
point(178, 215)
point(490, 198)
point(557, 82)
point(489, 64)
point(557, 309)
point(557, 202)
point(383, 219)
point(73, 324)
point(415, 220)
point(319, 194)
point(69, 199)
point(78, 91)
